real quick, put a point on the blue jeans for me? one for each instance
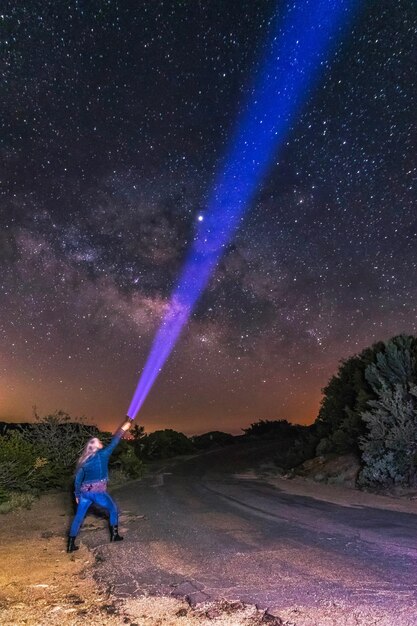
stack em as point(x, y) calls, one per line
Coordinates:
point(86, 500)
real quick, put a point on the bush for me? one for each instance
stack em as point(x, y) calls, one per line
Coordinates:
point(323, 447)
point(389, 447)
point(22, 466)
point(127, 461)
point(43, 455)
point(59, 439)
point(212, 440)
point(17, 501)
point(270, 428)
point(163, 444)
point(298, 448)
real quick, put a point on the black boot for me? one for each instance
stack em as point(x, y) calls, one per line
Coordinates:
point(71, 547)
point(114, 534)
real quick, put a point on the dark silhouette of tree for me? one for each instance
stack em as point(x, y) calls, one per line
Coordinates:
point(271, 428)
point(163, 444)
point(212, 440)
point(339, 424)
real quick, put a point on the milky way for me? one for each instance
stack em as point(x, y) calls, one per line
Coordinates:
point(116, 117)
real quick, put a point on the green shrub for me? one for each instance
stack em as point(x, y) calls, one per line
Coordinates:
point(59, 439)
point(163, 444)
point(389, 447)
point(22, 466)
point(294, 450)
point(43, 455)
point(17, 501)
point(323, 447)
point(349, 393)
point(4, 495)
point(129, 464)
point(294, 443)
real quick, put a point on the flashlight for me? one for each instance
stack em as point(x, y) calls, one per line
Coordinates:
point(126, 424)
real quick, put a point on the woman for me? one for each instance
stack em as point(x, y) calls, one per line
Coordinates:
point(91, 485)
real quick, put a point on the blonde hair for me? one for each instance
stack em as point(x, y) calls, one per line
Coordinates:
point(89, 450)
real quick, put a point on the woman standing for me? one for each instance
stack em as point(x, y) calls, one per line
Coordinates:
point(90, 485)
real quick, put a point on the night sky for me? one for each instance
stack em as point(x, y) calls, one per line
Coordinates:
point(115, 117)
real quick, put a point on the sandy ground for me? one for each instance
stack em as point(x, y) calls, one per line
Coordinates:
point(40, 584)
point(406, 503)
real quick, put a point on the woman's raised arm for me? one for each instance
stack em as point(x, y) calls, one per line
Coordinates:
point(117, 436)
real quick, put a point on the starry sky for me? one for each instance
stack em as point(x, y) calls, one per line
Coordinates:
point(115, 117)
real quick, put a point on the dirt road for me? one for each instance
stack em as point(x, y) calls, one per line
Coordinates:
point(209, 534)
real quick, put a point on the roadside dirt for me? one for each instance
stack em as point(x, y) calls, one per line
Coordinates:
point(344, 495)
point(42, 585)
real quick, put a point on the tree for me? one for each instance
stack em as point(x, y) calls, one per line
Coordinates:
point(212, 439)
point(339, 424)
point(271, 429)
point(137, 432)
point(389, 446)
point(163, 444)
point(138, 436)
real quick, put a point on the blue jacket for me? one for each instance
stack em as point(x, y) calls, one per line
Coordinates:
point(97, 466)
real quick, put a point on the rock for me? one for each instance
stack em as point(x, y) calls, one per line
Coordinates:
point(181, 613)
point(74, 599)
point(273, 620)
point(111, 609)
point(213, 613)
point(197, 598)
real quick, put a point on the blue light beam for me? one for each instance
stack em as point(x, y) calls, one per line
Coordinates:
point(295, 57)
